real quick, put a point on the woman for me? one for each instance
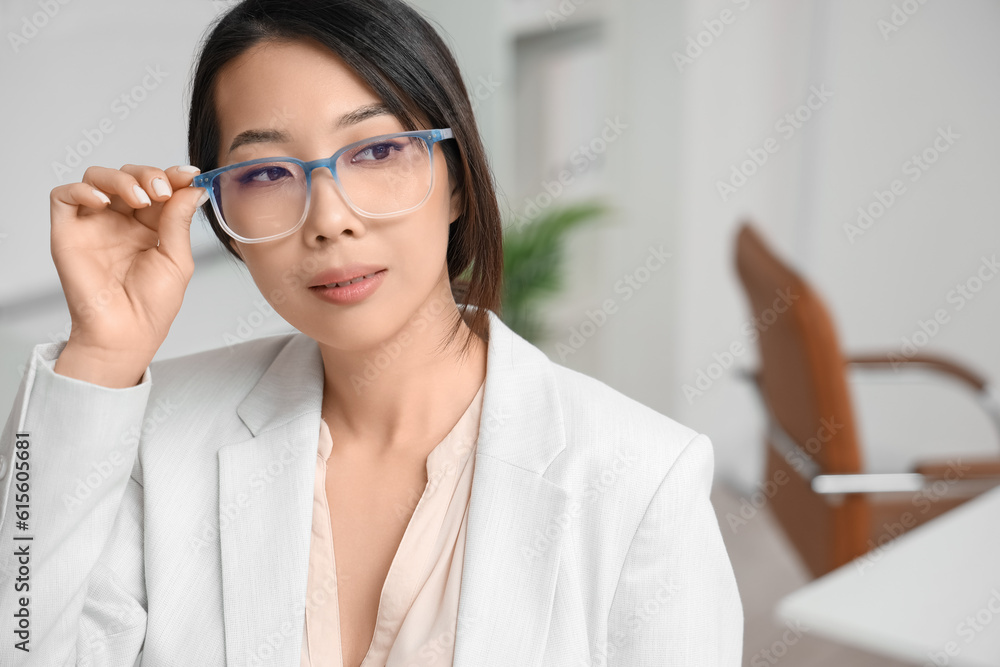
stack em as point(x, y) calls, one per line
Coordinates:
point(488, 506)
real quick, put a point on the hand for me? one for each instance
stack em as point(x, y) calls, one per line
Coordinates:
point(121, 245)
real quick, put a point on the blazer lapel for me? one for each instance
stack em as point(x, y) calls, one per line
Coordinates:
point(517, 518)
point(515, 528)
point(265, 509)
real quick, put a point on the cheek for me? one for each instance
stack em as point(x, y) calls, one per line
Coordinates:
point(274, 280)
point(423, 242)
point(431, 235)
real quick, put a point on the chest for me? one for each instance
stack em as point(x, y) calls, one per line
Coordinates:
point(370, 507)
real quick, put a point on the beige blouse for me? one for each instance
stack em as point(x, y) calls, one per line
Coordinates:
point(418, 605)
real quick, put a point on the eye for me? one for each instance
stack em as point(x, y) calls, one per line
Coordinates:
point(377, 152)
point(266, 174)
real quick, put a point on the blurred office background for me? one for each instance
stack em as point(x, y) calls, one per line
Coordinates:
point(685, 117)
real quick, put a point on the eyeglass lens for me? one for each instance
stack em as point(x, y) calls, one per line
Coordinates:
point(379, 178)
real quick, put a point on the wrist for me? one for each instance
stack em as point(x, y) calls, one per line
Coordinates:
point(101, 367)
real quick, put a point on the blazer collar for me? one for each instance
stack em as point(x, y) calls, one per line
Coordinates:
point(522, 419)
point(513, 535)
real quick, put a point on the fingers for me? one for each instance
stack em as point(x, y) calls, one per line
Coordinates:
point(155, 184)
point(117, 183)
point(162, 201)
point(66, 198)
point(175, 226)
point(139, 186)
point(139, 190)
point(122, 188)
point(181, 176)
point(160, 186)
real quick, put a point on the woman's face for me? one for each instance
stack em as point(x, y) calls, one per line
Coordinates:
point(303, 91)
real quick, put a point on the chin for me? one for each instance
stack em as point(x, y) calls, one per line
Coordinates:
point(354, 332)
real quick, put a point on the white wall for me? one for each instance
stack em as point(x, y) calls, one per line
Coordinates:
point(889, 98)
point(68, 76)
point(684, 130)
point(110, 78)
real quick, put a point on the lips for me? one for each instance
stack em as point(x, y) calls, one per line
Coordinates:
point(351, 282)
point(353, 291)
point(345, 275)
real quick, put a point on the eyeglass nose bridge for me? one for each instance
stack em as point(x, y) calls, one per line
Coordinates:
point(329, 164)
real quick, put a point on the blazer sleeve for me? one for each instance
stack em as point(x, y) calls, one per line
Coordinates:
point(71, 507)
point(677, 603)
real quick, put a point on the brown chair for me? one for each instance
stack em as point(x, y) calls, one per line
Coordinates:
point(830, 509)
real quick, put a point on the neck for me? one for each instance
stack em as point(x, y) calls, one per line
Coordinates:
point(376, 403)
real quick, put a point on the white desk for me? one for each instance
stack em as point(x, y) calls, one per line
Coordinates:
point(931, 597)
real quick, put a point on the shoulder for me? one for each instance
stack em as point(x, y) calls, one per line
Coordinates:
point(220, 374)
point(635, 479)
point(246, 357)
point(597, 404)
point(607, 430)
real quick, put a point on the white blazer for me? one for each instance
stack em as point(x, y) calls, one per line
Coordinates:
point(170, 521)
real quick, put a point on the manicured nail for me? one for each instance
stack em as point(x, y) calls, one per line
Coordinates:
point(141, 194)
point(203, 198)
point(161, 188)
point(189, 169)
point(103, 197)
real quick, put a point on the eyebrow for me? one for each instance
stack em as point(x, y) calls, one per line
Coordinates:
point(354, 117)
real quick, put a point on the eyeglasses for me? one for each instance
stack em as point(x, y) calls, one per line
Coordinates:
point(379, 177)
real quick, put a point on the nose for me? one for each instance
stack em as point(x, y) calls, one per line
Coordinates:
point(329, 214)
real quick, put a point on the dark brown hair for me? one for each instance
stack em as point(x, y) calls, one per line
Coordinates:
point(403, 59)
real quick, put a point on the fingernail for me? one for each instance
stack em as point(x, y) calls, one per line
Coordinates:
point(103, 197)
point(203, 198)
point(161, 188)
point(141, 194)
point(189, 169)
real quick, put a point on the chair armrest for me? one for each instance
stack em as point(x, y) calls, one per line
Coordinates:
point(971, 479)
point(967, 481)
point(868, 483)
point(986, 394)
point(927, 361)
point(899, 482)
point(970, 469)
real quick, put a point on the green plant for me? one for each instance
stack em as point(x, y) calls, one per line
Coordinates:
point(533, 264)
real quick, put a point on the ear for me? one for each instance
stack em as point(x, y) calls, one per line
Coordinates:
point(456, 205)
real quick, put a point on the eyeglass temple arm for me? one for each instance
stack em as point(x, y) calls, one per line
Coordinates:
point(440, 135)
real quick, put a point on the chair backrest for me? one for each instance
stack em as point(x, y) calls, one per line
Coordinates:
point(802, 379)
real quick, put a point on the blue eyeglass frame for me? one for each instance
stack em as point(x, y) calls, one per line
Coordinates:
point(207, 179)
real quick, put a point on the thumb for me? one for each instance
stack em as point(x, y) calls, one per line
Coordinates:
point(175, 224)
